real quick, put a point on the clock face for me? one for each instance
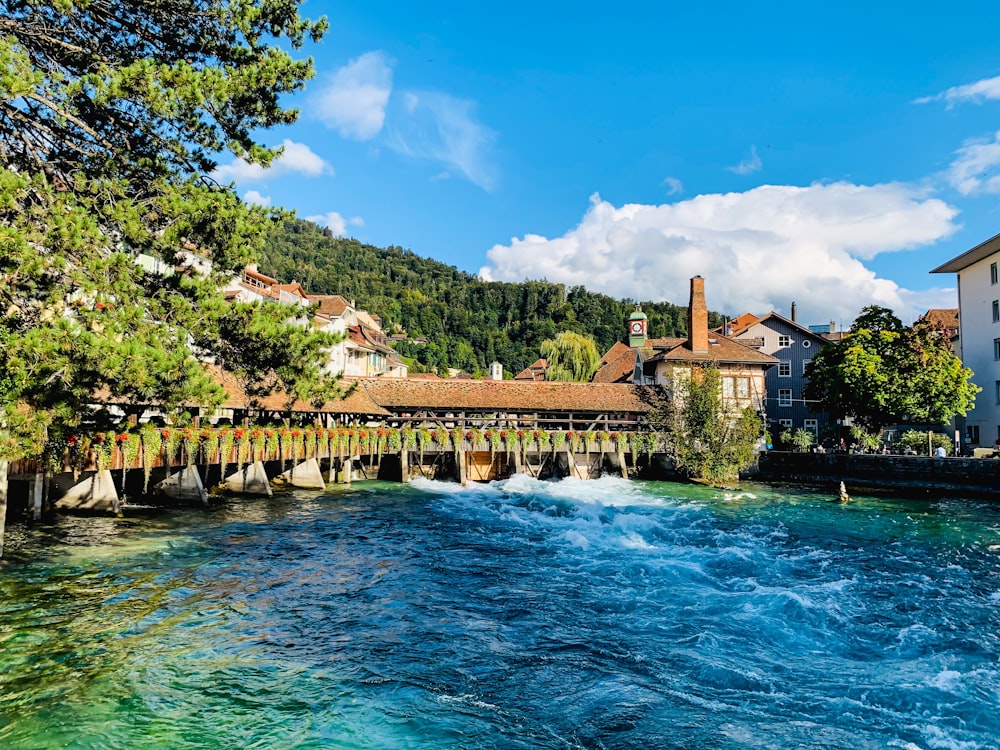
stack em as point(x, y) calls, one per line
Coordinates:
point(636, 326)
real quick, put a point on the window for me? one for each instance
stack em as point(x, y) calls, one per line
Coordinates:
point(785, 395)
point(728, 387)
point(996, 348)
point(996, 311)
point(972, 434)
point(784, 340)
point(785, 422)
point(811, 425)
point(993, 273)
point(805, 364)
point(785, 369)
point(998, 391)
point(806, 344)
point(743, 387)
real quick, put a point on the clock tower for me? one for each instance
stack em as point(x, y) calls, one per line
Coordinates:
point(637, 328)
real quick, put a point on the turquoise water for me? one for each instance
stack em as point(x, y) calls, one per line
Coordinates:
point(523, 614)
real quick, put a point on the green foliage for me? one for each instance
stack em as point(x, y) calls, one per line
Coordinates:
point(916, 441)
point(799, 439)
point(711, 440)
point(571, 357)
point(888, 373)
point(468, 322)
point(112, 115)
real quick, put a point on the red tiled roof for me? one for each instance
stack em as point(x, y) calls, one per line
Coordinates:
point(617, 365)
point(720, 349)
point(408, 394)
point(741, 322)
point(330, 305)
point(942, 317)
point(533, 373)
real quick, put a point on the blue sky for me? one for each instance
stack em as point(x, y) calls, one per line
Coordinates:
point(831, 155)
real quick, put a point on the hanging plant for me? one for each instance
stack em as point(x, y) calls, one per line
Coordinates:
point(603, 437)
point(296, 446)
point(170, 443)
point(152, 442)
point(395, 441)
point(209, 438)
point(475, 437)
point(100, 449)
point(130, 446)
point(189, 439)
point(409, 436)
point(541, 437)
point(558, 439)
point(247, 446)
point(637, 442)
point(227, 439)
point(271, 445)
point(456, 436)
point(589, 438)
point(309, 443)
point(493, 438)
point(620, 439)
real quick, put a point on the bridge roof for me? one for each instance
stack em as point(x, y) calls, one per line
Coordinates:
point(401, 394)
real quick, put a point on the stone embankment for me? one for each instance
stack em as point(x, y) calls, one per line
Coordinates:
point(972, 476)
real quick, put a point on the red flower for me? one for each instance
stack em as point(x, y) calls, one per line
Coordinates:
point(165, 433)
point(520, 433)
point(72, 440)
point(121, 438)
point(238, 433)
point(468, 436)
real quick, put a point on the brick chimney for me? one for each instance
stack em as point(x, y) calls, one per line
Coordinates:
point(698, 317)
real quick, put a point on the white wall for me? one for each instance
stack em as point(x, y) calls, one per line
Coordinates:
point(976, 294)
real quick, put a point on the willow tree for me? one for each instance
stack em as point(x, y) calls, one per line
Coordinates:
point(712, 438)
point(571, 357)
point(113, 115)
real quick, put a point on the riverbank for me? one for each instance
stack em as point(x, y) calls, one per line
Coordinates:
point(976, 477)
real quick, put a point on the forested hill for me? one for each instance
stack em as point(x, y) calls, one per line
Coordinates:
point(468, 322)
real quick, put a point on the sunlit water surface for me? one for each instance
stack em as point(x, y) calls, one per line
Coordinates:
point(522, 614)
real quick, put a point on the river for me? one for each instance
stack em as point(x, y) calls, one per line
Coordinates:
point(521, 614)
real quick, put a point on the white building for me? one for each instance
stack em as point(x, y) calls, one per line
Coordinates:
point(979, 343)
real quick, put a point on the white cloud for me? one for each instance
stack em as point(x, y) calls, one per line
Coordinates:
point(296, 158)
point(758, 250)
point(436, 126)
point(988, 88)
point(336, 223)
point(969, 173)
point(749, 165)
point(252, 196)
point(673, 185)
point(354, 100)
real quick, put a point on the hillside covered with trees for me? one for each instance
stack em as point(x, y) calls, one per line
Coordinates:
point(468, 322)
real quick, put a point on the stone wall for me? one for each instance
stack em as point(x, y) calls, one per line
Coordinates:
point(977, 476)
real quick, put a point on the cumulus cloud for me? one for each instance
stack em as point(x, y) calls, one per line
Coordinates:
point(252, 196)
point(673, 185)
point(988, 88)
point(336, 223)
point(296, 158)
point(749, 165)
point(758, 250)
point(354, 99)
point(970, 172)
point(439, 127)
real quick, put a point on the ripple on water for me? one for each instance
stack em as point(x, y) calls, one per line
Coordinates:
point(515, 614)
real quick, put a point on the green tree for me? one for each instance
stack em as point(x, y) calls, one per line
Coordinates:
point(112, 117)
point(571, 357)
point(886, 373)
point(711, 440)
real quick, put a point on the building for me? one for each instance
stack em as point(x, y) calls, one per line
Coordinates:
point(647, 361)
point(793, 345)
point(978, 342)
point(533, 373)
